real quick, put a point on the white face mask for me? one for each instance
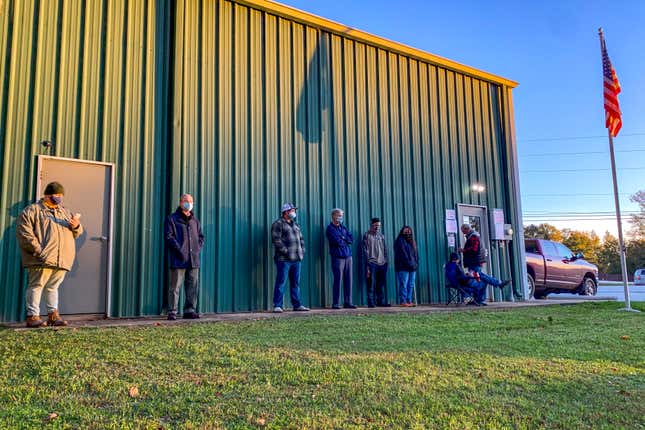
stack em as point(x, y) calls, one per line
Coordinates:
point(292, 215)
point(187, 206)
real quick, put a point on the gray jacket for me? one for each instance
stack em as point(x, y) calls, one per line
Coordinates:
point(45, 238)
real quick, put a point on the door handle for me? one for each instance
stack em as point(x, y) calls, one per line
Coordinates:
point(99, 238)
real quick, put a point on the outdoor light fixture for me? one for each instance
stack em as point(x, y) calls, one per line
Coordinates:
point(478, 188)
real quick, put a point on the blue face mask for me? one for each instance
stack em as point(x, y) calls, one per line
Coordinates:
point(56, 200)
point(339, 219)
point(187, 206)
point(292, 215)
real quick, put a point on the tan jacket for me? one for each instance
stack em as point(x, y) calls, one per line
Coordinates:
point(45, 238)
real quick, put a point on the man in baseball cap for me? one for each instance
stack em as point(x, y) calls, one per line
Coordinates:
point(289, 248)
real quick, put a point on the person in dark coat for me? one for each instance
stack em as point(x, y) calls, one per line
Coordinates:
point(184, 241)
point(340, 242)
point(474, 254)
point(475, 288)
point(406, 262)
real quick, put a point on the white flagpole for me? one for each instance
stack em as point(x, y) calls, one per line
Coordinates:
point(621, 243)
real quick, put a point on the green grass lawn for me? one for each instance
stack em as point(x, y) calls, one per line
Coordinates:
point(567, 367)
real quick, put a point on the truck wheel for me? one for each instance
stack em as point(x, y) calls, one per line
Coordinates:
point(531, 283)
point(588, 287)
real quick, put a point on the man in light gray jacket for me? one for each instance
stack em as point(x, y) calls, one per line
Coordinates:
point(46, 231)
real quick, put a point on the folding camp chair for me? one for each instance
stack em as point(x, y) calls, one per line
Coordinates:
point(457, 294)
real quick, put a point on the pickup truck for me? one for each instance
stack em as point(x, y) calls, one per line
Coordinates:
point(553, 268)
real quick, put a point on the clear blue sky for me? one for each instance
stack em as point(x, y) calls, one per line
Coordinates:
point(551, 48)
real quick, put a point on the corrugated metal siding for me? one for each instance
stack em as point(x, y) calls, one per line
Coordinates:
point(89, 75)
point(244, 109)
point(304, 115)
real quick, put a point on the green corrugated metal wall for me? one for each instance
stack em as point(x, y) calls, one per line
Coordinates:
point(245, 110)
point(91, 76)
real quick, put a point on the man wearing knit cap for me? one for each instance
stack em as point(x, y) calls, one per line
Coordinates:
point(46, 231)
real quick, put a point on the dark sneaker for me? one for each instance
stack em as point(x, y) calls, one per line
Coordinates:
point(473, 303)
point(385, 305)
point(172, 316)
point(504, 283)
point(349, 306)
point(482, 304)
point(301, 309)
point(371, 306)
point(335, 307)
point(191, 316)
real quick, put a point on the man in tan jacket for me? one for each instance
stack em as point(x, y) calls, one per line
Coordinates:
point(46, 233)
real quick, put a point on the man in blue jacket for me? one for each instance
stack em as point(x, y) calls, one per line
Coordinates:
point(476, 288)
point(340, 241)
point(184, 241)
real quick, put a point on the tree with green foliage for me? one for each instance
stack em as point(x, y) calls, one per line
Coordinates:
point(588, 243)
point(638, 220)
point(608, 257)
point(543, 231)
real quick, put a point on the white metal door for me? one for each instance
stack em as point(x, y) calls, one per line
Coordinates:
point(88, 191)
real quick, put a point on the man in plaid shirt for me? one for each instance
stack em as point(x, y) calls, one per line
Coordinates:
point(289, 251)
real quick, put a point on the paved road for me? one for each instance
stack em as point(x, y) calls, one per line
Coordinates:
point(615, 292)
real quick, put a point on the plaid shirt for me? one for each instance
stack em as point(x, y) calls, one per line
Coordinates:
point(287, 240)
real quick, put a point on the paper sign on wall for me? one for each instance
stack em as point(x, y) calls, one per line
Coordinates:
point(498, 224)
point(451, 221)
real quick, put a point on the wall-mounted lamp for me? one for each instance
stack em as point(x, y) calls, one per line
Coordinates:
point(478, 188)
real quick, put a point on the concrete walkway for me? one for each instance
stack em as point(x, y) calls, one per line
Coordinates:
point(85, 322)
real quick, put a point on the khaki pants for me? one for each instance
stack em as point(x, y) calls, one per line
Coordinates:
point(40, 278)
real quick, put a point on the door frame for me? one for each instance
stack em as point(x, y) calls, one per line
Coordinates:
point(112, 166)
point(484, 224)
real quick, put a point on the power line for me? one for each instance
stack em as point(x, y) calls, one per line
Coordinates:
point(549, 154)
point(556, 139)
point(579, 170)
point(576, 195)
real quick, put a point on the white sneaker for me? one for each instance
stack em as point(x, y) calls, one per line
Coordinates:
point(277, 310)
point(301, 308)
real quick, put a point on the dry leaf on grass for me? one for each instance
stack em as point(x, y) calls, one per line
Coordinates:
point(625, 337)
point(133, 392)
point(52, 416)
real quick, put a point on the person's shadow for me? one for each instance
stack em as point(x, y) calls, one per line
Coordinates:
point(13, 279)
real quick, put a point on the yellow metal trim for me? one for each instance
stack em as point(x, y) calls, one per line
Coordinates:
point(343, 30)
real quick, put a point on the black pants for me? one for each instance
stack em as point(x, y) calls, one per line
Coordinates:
point(376, 284)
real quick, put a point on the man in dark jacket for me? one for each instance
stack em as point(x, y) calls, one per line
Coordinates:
point(46, 232)
point(289, 248)
point(340, 241)
point(184, 241)
point(474, 254)
point(475, 288)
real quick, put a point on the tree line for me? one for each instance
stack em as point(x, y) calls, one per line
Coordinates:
point(603, 253)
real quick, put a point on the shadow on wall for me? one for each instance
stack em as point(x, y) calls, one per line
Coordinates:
point(10, 251)
point(315, 96)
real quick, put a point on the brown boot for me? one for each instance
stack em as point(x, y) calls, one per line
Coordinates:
point(55, 320)
point(34, 321)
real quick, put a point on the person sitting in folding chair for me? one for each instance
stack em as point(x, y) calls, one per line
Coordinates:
point(469, 284)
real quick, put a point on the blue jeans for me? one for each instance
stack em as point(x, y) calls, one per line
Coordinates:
point(490, 280)
point(406, 285)
point(342, 270)
point(292, 270)
point(376, 282)
point(477, 289)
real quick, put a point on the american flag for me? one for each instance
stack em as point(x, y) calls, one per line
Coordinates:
point(611, 86)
